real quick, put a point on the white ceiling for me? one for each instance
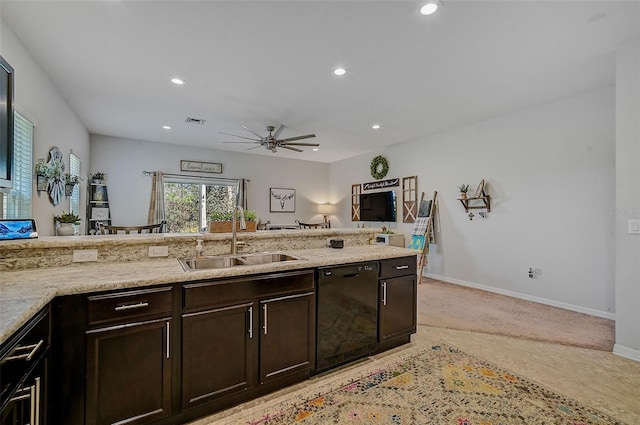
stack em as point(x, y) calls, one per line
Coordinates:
point(263, 63)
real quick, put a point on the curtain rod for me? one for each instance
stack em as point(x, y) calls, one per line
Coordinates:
point(151, 173)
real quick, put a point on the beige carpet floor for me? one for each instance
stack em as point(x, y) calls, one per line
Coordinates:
point(595, 378)
point(449, 306)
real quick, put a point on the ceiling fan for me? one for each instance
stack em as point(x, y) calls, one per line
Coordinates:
point(271, 142)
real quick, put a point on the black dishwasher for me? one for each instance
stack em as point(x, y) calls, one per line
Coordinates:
point(347, 313)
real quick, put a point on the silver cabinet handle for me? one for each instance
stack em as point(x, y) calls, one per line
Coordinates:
point(402, 267)
point(22, 394)
point(250, 322)
point(123, 307)
point(35, 405)
point(265, 318)
point(26, 356)
point(384, 293)
point(168, 336)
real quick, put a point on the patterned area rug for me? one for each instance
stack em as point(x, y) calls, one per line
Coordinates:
point(441, 385)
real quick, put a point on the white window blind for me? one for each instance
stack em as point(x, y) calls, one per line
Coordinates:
point(18, 201)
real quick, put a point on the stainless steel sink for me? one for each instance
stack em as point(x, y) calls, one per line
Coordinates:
point(226, 261)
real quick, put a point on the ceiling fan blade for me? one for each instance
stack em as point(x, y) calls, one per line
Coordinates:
point(239, 141)
point(290, 148)
point(275, 135)
point(290, 139)
point(299, 144)
point(248, 129)
point(242, 137)
point(256, 146)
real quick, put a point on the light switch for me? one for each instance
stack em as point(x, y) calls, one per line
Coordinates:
point(634, 227)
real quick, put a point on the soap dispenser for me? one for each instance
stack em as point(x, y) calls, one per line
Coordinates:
point(199, 248)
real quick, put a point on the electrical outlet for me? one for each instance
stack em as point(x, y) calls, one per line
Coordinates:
point(159, 251)
point(84, 255)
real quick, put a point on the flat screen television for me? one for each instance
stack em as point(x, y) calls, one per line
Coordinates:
point(378, 206)
point(6, 124)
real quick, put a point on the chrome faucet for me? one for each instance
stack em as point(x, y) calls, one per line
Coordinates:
point(243, 226)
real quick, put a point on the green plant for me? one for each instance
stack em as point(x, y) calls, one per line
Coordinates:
point(464, 188)
point(71, 179)
point(228, 216)
point(41, 168)
point(98, 175)
point(67, 218)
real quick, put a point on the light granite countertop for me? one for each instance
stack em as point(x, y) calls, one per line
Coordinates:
point(23, 293)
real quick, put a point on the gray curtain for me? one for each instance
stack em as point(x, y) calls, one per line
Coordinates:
point(156, 206)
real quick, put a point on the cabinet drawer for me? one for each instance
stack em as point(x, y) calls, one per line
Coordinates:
point(226, 291)
point(21, 352)
point(129, 305)
point(397, 267)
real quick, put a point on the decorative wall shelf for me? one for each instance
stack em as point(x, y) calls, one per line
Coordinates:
point(478, 201)
point(469, 204)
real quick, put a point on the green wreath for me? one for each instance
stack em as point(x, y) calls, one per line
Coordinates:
point(379, 167)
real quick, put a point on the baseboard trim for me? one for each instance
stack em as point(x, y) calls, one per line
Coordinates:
point(627, 352)
point(539, 300)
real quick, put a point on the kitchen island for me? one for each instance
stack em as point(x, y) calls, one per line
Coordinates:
point(188, 316)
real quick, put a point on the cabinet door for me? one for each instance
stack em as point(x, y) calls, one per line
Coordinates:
point(287, 335)
point(217, 353)
point(397, 310)
point(129, 373)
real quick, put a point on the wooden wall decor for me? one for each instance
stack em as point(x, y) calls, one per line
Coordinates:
point(356, 190)
point(409, 199)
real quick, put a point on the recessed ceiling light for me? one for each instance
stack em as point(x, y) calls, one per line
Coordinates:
point(431, 7)
point(376, 126)
point(339, 71)
point(177, 81)
point(316, 149)
point(166, 127)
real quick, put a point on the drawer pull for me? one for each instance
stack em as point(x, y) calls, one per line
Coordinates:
point(27, 356)
point(125, 307)
point(402, 267)
point(384, 293)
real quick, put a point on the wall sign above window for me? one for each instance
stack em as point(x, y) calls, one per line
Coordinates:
point(200, 167)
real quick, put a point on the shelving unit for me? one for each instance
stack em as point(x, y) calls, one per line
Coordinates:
point(467, 203)
point(479, 201)
point(98, 211)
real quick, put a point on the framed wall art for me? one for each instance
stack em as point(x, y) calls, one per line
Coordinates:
point(282, 200)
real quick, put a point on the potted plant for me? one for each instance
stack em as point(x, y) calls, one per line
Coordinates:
point(66, 222)
point(70, 181)
point(464, 188)
point(98, 177)
point(222, 222)
point(42, 174)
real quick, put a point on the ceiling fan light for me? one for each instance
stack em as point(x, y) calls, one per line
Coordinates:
point(430, 8)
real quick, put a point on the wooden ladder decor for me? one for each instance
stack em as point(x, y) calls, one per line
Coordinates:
point(428, 234)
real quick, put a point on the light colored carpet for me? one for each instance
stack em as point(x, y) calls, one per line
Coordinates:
point(445, 305)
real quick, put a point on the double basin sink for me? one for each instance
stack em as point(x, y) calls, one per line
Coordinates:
point(226, 261)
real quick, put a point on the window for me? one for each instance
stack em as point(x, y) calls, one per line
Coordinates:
point(190, 201)
point(17, 202)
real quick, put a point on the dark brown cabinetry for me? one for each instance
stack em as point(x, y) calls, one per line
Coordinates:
point(217, 353)
point(247, 335)
point(287, 335)
point(129, 357)
point(23, 371)
point(397, 309)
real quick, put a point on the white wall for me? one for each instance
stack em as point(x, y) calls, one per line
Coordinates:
point(627, 272)
point(56, 124)
point(123, 161)
point(550, 173)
